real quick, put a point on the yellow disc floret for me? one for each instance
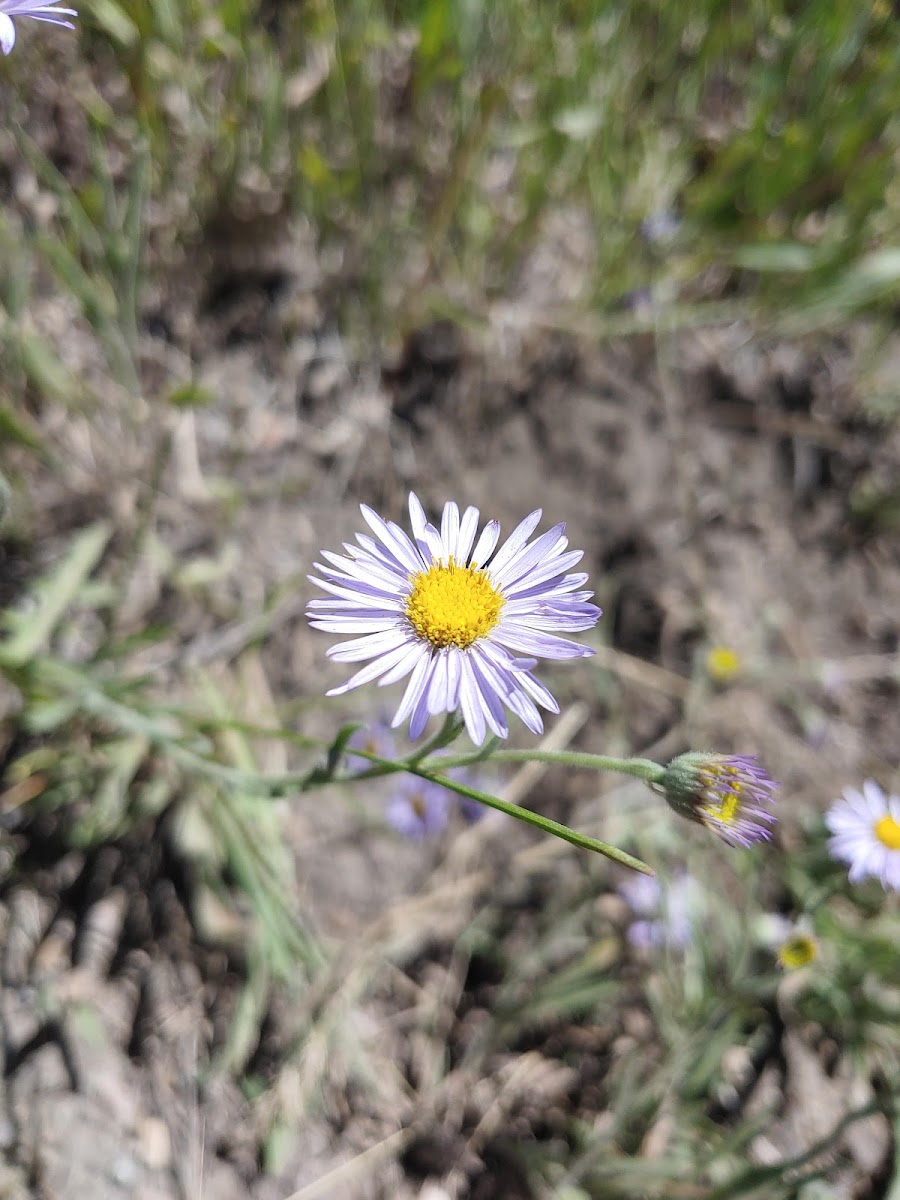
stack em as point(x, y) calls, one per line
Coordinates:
point(723, 793)
point(887, 830)
point(725, 809)
point(799, 950)
point(450, 605)
point(722, 663)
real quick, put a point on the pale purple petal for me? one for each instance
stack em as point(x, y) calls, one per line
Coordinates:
point(514, 542)
point(372, 671)
point(527, 559)
point(414, 651)
point(532, 641)
point(393, 538)
point(415, 689)
point(467, 530)
point(484, 547)
point(450, 530)
point(369, 646)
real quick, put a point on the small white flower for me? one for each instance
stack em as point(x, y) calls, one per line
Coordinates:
point(51, 13)
point(866, 829)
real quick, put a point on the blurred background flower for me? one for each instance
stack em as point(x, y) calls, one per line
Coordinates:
point(665, 911)
point(418, 809)
point(865, 827)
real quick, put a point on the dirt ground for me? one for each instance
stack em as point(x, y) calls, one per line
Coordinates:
point(718, 483)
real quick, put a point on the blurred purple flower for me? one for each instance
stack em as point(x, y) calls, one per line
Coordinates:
point(377, 738)
point(419, 809)
point(471, 810)
point(35, 11)
point(666, 914)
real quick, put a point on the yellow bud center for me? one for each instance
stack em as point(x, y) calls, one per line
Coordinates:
point(719, 807)
point(451, 605)
point(888, 833)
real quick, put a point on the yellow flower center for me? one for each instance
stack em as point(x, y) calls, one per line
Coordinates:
point(797, 951)
point(888, 833)
point(451, 605)
point(723, 663)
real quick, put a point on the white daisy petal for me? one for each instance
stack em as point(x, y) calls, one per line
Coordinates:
point(419, 717)
point(539, 693)
point(540, 571)
point(344, 625)
point(453, 675)
point(437, 687)
point(527, 558)
point(484, 547)
point(415, 689)
point(369, 646)
point(364, 594)
point(534, 641)
point(372, 671)
point(417, 518)
point(468, 527)
point(7, 34)
point(414, 651)
point(514, 542)
point(450, 529)
point(470, 702)
point(393, 538)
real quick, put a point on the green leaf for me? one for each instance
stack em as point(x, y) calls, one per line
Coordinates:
point(30, 629)
point(14, 429)
point(115, 23)
point(44, 369)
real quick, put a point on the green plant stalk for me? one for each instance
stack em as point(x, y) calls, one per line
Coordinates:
point(642, 768)
point(544, 824)
point(96, 702)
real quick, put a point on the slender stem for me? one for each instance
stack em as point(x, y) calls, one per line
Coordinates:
point(448, 732)
point(532, 818)
point(642, 768)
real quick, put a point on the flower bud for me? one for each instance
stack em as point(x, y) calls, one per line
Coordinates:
point(728, 793)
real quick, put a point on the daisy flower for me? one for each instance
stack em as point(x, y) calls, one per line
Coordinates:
point(464, 620)
point(866, 834)
point(420, 809)
point(51, 13)
point(730, 794)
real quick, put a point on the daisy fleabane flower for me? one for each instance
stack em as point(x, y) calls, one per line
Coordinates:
point(465, 621)
point(51, 13)
point(731, 794)
point(866, 834)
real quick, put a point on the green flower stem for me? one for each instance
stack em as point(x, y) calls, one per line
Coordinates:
point(544, 824)
point(163, 735)
point(448, 732)
point(643, 768)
